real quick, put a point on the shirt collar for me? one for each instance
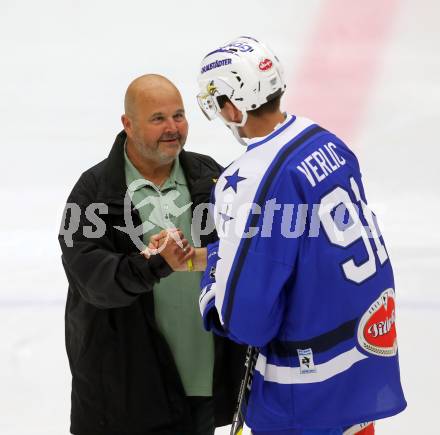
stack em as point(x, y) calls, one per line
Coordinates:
point(135, 180)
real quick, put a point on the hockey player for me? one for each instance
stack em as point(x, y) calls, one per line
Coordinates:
point(300, 270)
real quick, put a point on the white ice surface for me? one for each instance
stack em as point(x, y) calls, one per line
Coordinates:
point(65, 67)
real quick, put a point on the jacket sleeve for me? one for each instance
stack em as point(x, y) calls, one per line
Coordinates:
point(244, 295)
point(104, 277)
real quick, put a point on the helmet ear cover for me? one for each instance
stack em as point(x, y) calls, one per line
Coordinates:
point(271, 105)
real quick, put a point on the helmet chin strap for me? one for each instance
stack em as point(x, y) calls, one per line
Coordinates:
point(233, 126)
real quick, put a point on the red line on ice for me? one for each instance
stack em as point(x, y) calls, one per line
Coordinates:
point(341, 62)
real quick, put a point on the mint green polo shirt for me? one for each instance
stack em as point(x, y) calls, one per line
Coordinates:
point(176, 296)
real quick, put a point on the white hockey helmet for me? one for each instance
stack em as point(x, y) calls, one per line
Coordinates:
point(244, 70)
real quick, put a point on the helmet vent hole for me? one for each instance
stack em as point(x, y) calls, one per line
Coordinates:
point(254, 106)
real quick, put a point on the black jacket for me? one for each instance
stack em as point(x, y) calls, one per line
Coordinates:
point(124, 379)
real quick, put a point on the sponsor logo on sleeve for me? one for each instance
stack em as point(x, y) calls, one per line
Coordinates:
point(360, 429)
point(377, 328)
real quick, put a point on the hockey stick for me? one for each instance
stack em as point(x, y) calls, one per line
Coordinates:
point(245, 388)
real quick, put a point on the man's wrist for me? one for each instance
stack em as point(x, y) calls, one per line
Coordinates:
point(199, 259)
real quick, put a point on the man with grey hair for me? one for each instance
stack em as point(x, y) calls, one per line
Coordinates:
point(141, 362)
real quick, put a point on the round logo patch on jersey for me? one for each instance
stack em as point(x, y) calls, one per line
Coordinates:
point(377, 328)
point(265, 65)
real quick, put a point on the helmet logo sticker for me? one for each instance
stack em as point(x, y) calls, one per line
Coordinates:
point(217, 64)
point(211, 88)
point(265, 65)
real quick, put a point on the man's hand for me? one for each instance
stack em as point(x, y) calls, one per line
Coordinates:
point(173, 247)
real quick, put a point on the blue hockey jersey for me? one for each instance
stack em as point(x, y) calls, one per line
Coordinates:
point(301, 271)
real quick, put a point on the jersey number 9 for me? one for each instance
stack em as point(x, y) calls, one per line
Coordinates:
point(355, 231)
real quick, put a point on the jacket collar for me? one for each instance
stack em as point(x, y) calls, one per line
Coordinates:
point(112, 186)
